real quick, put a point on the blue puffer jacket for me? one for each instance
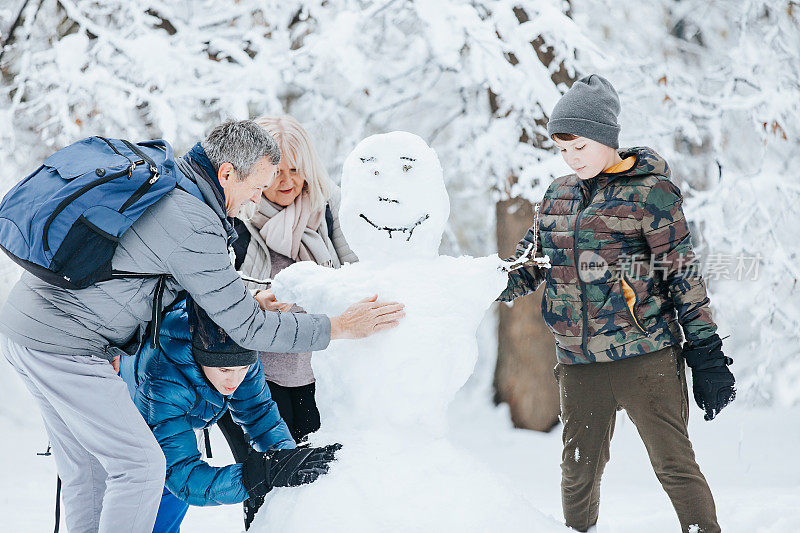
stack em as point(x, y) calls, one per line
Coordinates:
point(175, 398)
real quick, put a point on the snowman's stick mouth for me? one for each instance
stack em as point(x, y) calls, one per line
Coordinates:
point(407, 229)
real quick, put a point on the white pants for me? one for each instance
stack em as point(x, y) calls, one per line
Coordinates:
point(111, 467)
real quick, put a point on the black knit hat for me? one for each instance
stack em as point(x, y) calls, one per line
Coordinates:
point(211, 346)
point(588, 109)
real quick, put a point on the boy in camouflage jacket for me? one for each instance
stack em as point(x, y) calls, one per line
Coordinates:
point(623, 279)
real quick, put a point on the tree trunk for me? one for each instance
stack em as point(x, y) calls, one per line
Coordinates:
point(525, 349)
point(523, 377)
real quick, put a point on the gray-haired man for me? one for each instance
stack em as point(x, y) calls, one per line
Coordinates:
point(65, 344)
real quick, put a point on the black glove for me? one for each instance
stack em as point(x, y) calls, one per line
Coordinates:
point(285, 468)
point(713, 383)
point(251, 507)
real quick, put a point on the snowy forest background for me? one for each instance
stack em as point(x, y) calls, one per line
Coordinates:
point(714, 86)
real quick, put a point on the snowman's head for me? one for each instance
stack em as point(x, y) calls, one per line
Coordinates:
point(394, 203)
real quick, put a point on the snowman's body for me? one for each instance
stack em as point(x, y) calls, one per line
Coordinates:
point(404, 377)
point(385, 397)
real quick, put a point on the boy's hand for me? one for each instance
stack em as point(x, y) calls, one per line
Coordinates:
point(713, 383)
point(713, 389)
point(516, 264)
point(262, 471)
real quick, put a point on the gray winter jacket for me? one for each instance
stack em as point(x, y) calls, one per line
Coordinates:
point(183, 237)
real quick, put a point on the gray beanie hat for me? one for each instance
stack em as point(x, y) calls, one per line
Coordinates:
point(588, 109)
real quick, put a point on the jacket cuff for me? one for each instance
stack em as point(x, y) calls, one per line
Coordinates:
point(704, 354)
point(322, 333)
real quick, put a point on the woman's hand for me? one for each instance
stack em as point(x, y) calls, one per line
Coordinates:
point(365, 318)
point(267, 301)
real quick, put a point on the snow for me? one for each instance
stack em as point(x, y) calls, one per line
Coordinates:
point(378, 394)
point(713, 89)
point(406, 376)
point(433, 352)
point(380, 483)
point(746, 454)
point(394, 201)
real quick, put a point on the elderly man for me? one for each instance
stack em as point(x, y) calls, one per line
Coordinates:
point(65, 344)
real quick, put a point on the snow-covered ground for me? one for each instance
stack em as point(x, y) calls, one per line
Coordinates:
point(748, 455)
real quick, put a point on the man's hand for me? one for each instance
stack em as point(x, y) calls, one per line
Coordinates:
point(366, 317)
point(115, 363)
point(267, 301)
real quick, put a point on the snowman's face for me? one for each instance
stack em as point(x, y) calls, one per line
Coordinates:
point(394, 203)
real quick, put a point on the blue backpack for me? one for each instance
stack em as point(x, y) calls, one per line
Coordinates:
point(63, 222)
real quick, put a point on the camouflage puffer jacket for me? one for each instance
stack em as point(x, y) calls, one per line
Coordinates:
point(623, 271)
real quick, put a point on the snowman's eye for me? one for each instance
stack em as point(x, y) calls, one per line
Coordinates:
point(407, 166)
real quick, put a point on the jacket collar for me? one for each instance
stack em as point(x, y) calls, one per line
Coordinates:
point(197, 171)
point(198, 155)
point(647, 163)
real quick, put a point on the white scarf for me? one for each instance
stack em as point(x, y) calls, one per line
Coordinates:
point(293, 230)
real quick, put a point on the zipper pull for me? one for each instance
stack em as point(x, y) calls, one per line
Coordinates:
point(207, 440)
point(133, 167)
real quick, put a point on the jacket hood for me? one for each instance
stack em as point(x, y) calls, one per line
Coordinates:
point(647, 163)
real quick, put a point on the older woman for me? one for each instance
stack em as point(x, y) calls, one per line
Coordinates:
point(296, 220)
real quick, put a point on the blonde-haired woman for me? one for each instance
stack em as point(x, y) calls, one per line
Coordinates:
point(296, 220)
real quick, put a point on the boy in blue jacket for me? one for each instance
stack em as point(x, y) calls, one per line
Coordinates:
point(188, 382)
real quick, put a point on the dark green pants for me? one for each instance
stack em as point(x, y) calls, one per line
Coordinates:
point(652, 390)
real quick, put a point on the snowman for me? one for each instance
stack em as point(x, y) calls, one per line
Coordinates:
point(385, 397)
